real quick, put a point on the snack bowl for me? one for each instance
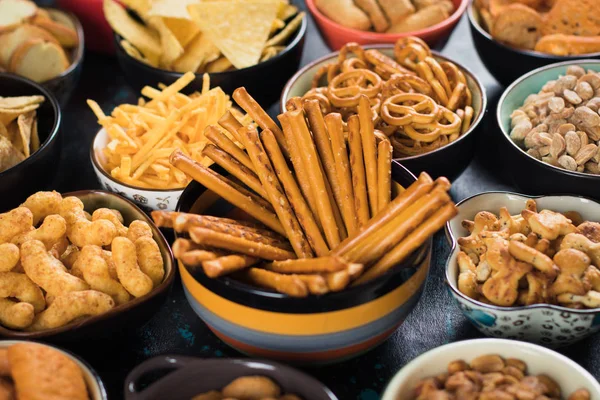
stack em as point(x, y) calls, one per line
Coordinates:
point(540, 178)
point(125, 317)
point(37, 171)
point(507, 63)
point(435, 162)
point(569, 375)
point(315, 329)
point(546, 324)
point(192, 376)
point(93, 382)
point(336, 35)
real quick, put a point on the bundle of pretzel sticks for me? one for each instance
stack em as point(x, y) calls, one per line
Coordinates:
point(322, 201)
point(419, 103)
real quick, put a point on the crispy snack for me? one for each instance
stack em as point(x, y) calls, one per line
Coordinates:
point(138, 229)
point(248, 388)
point(519, 26)
point(126, 261)
point(9, 256)
point(227, 264)
point(15, 315)
point(15, 222)
point(287, 284)
point(82, 231)
point(52, 230)
point(113, 217)
point(42, 204)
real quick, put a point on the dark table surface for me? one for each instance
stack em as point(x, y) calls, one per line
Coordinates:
point(176, 329)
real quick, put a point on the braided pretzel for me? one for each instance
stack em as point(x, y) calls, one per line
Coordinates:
point(347, 96)
point(425, 111)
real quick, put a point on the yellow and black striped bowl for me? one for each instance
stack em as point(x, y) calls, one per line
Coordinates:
point(317, 329)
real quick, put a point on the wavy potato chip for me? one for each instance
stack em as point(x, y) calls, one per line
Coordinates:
point(20, 101)
point(133, 52)
point(171, 48)
point(25, 124)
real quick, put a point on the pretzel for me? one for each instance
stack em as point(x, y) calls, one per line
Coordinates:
point(341, 95)
point(309, 266)
point(369, 147)
point(231, 124)
point(224, 143)
point(320, 95)
point(316, 284)
point(295, 103)
point(227, 264)
point(466, 120)
point(425, 111)
point(384, 174)
point(388, 66)
point(357, 166)
point(192, 254)
point(351, 64)
point(287, 284)
point(351, 47)
point(411, 50)
point(405, 83)
point(425, 72)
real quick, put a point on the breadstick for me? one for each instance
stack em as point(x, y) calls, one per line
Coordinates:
point(183, 222)
point(316, 283)
point(361, 202)
point(317, 180)
point(411, 243)
point(303, 212)
point(231, 124)
point(286, 284)
point(369, 148)
point(237, 185)
point(279, 200)
point(384, 174)
point(163, 219)
point(235, 168)
point(224, 143)
point(204, 176)
point(309, 266)
point(196, 258)
point(238, 245)
point(342, 168)
point(227, 264)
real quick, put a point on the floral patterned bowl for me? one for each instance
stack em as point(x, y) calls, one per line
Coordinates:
point(549, 325)
point(146, 199)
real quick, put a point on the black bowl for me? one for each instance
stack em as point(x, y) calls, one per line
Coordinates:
point(506, 63)
point(36, 172)
point(264, 81)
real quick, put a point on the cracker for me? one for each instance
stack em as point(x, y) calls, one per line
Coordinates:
point(573, 17)
point(518, 25)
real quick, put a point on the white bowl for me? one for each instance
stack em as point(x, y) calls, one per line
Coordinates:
point(92, 379)
point(567, 373)
point(147, 199)
point(549, 325)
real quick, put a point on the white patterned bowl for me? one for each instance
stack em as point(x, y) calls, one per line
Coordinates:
point(549, 325)
point(146, 199)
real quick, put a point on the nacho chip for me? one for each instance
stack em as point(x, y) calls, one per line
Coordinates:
point(286, 32)
point(184, 30)
point(134, 53)
point(35, 137)
point(9, 115)
point(9, 156)
point(20, 101)
point(287, 12)
point(4, 131)
point(25, 124)
point(171, 8)
point(171, 49)
point(140, 7)
point(220, 65)
point(199, 52)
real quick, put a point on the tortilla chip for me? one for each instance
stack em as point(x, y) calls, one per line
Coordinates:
point(4, 131)
point(9, 156)
point(14, 136)
point(220, 65)
point(9, 115)
point(25, 123)
point(35, 137)
point(171, 8)
point(140, 7)
point(288, 11)
point(199, 52)
point(20, 101)
point(184, 30)
point(133, 52)
point(171, 49)
point(239, 29)
point(286, 32)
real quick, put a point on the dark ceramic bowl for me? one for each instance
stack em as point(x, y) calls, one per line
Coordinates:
point(531, 175)
point(263, 81)
point(507, 63)
point(192, 376)
point(36, 172)
point(315, 329)
point(449, 161)
point(126, 317)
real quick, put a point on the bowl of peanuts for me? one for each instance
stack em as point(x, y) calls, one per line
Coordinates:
point(551, 126)
point(492, 369)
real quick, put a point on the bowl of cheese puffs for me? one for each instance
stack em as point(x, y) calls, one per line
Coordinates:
point(527, 268)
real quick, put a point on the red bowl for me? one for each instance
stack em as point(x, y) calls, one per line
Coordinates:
point(337, 35)
point(98, 34)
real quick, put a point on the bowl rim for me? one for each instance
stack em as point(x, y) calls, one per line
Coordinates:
point(522, 80)
point(80, 47)
point(455, 248)
point(331, 56)
point(532, 53)
point(52, 135)
point(129, 306)
point(378, 36)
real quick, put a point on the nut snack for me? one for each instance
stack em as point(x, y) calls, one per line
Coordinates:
point(491, 377)
point(59, 264)
point(248, 388)
point(329, 221)
point(537, 257)
point(560, 125)
point(420, 104)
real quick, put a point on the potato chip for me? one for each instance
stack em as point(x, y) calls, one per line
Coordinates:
point(220, 65)
point(141, 7)
point(9, 115)
point(133, 52)
point(4, 131)
point(286, 32)
point(171, 49)
point(9, 156)
point(184, 30)
point(35, 138)
point(171, 8)
point(199, 52)
point(287, 12)
point(25, 124)
point(20, 101)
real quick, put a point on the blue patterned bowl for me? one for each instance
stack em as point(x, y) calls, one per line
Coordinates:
point(549, 325)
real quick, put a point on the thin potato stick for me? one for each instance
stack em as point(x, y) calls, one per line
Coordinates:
point(365, 115)
point(309, 266)
point(231, 124)
point(227, 264)
point(384, 174)
point(286, 284)
point(316, 284)
point(172, 89)
point(359, 182)
point(224, 143)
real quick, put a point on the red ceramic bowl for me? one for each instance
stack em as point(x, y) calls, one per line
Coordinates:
point(98, 34)
point(337, 35)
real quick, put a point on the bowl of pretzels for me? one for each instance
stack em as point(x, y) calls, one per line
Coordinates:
point(428, 106)
point(526, 267)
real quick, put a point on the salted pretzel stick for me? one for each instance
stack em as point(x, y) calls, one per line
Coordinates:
point(227, 264)
point(286, 284)
point(317, 179)
point(369, 148)
point(361, 201)
point(181, 246)
point(231, 181)
point(337, 281)
point(279, 200)
point(220, 240)
point(303, 212)
point(411, 243)
point(295, 103)
point(316, 283)
point(235, 168)
point(231, 124)
point(164, 219)
point(224, 143)
point(309, 266)
point(384, 174)
point(195, 258)
point(183, 222)
point(201, 174)
point(337, 215)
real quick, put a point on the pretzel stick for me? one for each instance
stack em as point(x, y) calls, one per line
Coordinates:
point(279, 200)
point(203, 175)
point(242, 189)
point(227, 264)
point(411, 243)
point(235, 168)
point(294, 103)
point(316, 177)
point(224, 143)
point(369, 150)
point(286, 284)
point(309, 266)
point(195, 258)
point(337, 215)
point(231, 124)
point(303, 212)
point(361, 202)
point(384, 174)
point(316, 283)
point(177, 219)
point(164, 219)
point(238, 245)
point(181, 246)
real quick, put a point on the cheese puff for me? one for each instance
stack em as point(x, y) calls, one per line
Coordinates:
point(80, 230)
point(112, 268)
point(149, 259)
point(9, 256)
point(48, 272)
point(109, 215)
point(71, 306)
point(15, 222)
point(42, 204)
point(19, 286)
point(59, 248)
point(95, 273)
point(252, 388)
point(50, 232)
point(16, 315)
point(137, 229)
point(131, 277)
